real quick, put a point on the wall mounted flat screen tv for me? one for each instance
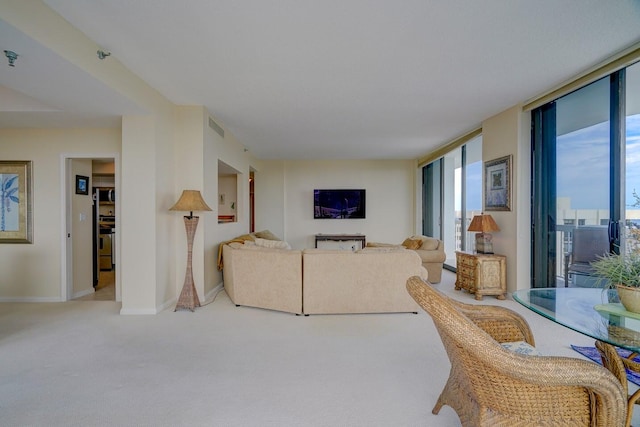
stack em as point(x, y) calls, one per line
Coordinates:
point(339, 204)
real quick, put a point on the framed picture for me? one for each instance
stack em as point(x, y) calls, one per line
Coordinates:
point(497, 184)
point(16, 206)
point(82, 184)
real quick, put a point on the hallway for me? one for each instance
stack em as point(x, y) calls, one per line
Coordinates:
point(106, 289)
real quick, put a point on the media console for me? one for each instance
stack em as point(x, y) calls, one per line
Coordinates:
point(352, 242)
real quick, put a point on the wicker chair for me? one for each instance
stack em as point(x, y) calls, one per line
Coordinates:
point(491, 386)
point(616, 364)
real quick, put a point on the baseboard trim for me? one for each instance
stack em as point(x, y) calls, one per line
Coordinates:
point(213, 292)
point(30, 299)
point(169, 304)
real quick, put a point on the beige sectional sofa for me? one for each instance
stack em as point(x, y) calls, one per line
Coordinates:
point(432, 254)
point(367, 281)
point(429, 249)
point(263, 277)
point(316, 281)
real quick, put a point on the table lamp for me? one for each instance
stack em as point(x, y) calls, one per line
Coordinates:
point(484, 224)
point(190, 201)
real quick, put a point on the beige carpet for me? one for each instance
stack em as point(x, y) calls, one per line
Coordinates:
point(80, 363)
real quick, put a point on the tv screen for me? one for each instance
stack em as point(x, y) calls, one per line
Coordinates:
point(338, 204)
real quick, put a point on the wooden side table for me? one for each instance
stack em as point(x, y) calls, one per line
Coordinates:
point(482, 274)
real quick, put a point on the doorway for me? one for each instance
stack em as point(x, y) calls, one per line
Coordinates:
point(83, 276)
point(585, 175)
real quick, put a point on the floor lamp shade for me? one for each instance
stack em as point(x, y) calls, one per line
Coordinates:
point(485, 224)
point(190, 201)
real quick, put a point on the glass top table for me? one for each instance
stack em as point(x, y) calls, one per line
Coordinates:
point(594, 312)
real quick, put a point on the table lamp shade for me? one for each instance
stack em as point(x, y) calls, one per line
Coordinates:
point(190, 200)
point(484, 224)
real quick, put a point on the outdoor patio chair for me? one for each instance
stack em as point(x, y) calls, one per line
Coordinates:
point(588, 243)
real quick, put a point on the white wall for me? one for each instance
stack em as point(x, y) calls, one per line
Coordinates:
point(31, 272)
point(290, 184)
point(269, 188)
point(507, 134)
point(188, 156)
point(231, 152)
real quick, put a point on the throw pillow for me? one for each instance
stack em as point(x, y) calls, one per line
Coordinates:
point(266, 234)
point(278, 244)
point(251, 247)
point(521, 347)
point(430, 244)
point(410, 243)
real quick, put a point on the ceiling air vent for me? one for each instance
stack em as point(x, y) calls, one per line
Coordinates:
point(213, 125)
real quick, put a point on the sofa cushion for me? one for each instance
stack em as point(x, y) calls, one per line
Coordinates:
point(379, 245)
point(429, 244)
point(266, 234)
point(382, 249)
point(277, 244)
point(410, 243)
point(251, 246)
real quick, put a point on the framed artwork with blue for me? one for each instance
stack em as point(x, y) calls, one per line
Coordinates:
point(16, 205)
point(82, 184)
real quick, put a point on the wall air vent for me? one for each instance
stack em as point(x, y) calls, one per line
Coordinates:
point(213, 125)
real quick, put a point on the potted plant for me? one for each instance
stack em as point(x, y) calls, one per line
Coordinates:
point(623, 273)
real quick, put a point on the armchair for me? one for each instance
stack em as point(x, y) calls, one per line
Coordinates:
point(489, 385)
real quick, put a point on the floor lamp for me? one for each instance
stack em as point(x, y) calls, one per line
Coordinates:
point(190, 200)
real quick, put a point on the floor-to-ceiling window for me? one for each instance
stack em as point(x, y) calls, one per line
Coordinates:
point(632, 159)
point(585, 175)
point(452, 195)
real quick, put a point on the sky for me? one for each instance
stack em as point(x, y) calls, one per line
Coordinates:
point(474, 186)
point(583, 165)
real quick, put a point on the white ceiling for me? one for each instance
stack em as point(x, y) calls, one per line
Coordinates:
point(302, 79)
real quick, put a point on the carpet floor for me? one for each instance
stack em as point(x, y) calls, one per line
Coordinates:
point(80, 363)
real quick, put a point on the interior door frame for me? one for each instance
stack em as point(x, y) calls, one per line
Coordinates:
point(67, 183)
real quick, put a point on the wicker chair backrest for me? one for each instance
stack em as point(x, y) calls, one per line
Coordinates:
point(489, 385)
